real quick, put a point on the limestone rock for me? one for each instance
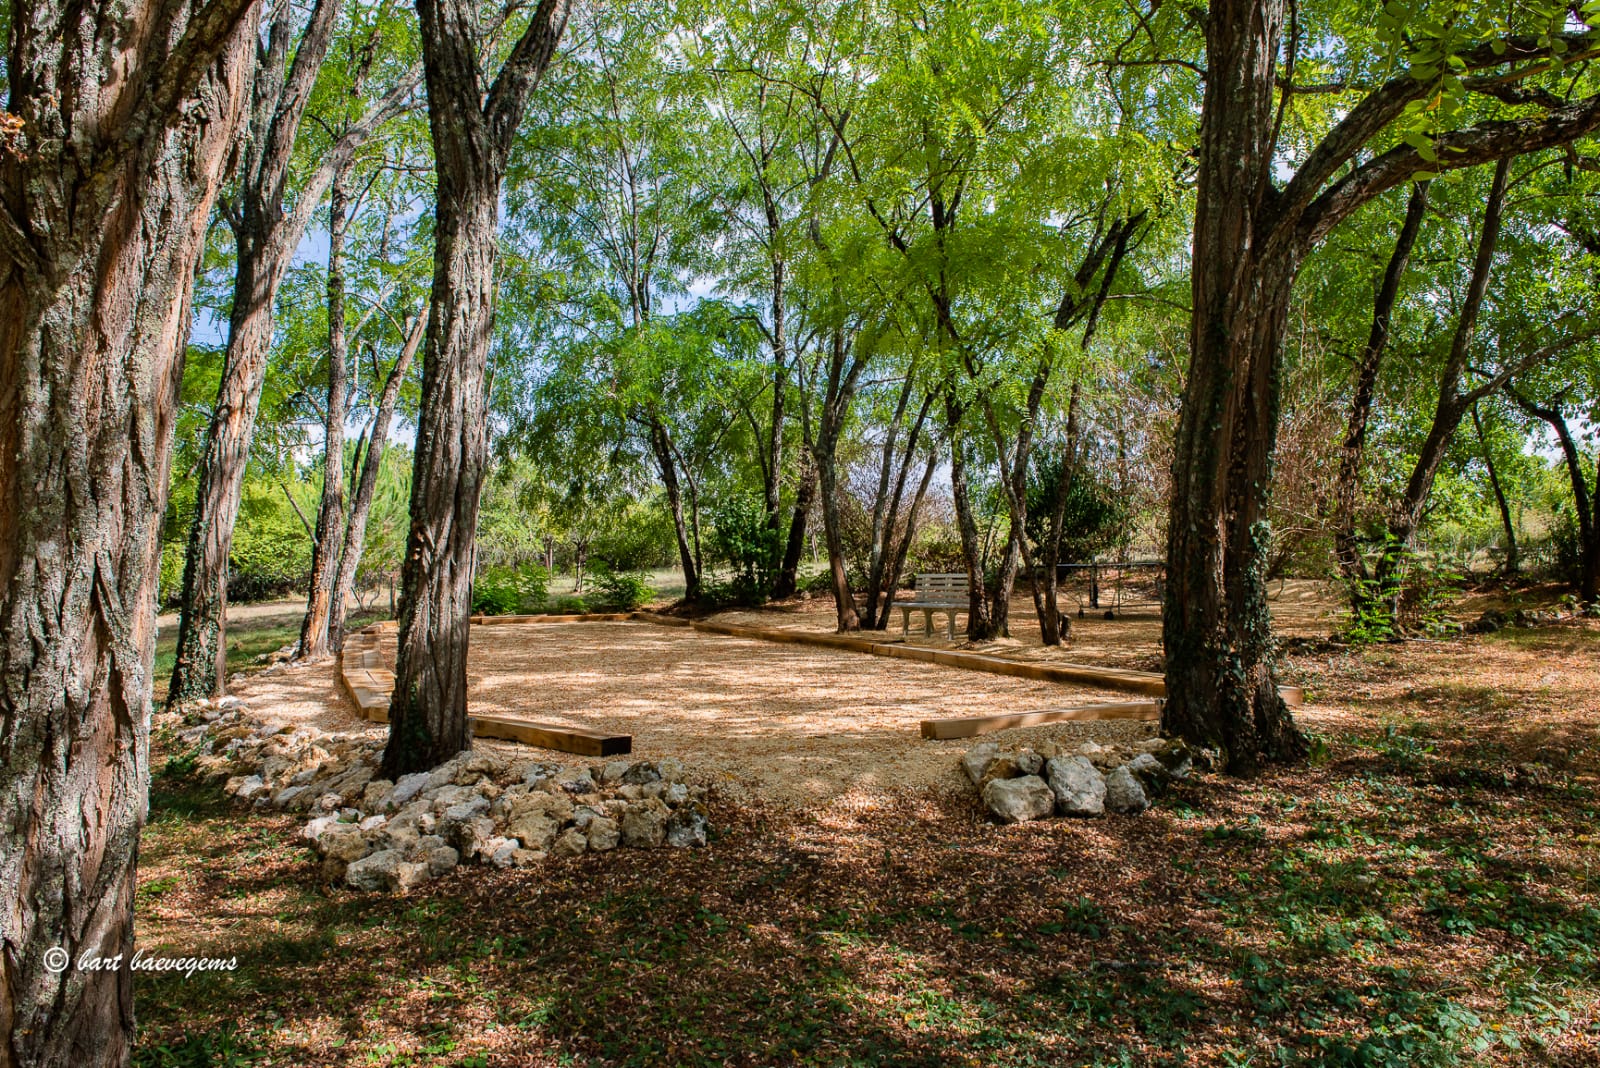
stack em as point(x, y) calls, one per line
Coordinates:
point(1011, 766)
point(441, 859)
point(1019, 799)
point(976, 761)
point(375, 795)
point(1078, 786)
point(687, 826)
point(378, 872)
point(644, 825)
point(1124, 794)
point(571, 844)
point(535, 830)
point(642, 774)
point(408, 787)
point(603, 834)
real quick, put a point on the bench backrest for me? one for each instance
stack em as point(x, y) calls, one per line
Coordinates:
point(941, 585)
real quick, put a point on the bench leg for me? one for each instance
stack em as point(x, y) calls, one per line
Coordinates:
point(927, 622)
point(905, 622)
point(951, 617)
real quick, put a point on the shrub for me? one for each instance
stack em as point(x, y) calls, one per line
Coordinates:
point(568, 606)
point(620, 591)
point(500, 591)
point(741, 539)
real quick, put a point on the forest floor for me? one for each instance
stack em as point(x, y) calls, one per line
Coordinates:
point(1425, 892)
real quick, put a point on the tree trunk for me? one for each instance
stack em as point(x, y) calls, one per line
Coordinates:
point(1510, 567)
point(980, 625)
point(1053, 627)
point(112, 182)
point(265, 238)
point(1347, 549)
point(844, 599)
point(789, 569)
point(314, 630)
point(371, 466)
point(472, 137)
point(1406, 516)
point(1585, 502)
point(688, 559)
point(1217, 630)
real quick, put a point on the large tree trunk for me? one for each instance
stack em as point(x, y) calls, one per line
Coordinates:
point(1217, 630)
point(371, 465)
point(265, 237)
point(314, 629)
point(1250, 237)
point(200, 667)
point(127, 115)
point(428, 711)
point(1347, 548)
point(472, 138)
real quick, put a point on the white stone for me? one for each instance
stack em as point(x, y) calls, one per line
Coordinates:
point(1124, 794)
point(1078, 786)
point(1017, 800)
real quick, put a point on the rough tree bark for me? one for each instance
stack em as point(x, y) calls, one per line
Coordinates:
point(1252, 236)
point(472, 132)
point(370, 463)
point(124, 114)
point(266, 234)
point(330, 512)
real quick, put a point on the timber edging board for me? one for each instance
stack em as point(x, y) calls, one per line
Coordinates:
point(1141, 682)
point(369, 685)
point(1149, 683)
point(972, 726)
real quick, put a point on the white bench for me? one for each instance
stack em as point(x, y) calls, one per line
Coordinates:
point(936, 593)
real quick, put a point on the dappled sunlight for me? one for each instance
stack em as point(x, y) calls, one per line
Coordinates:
point(792, 724)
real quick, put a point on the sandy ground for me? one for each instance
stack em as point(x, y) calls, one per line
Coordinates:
point(1300, 608)
point(793, 725)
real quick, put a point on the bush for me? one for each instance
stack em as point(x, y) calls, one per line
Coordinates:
point(620, 591)
point(568, 606)
point(500, 591)
point(741, 539)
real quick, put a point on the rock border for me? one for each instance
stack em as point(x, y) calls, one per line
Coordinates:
point(1020, 785)
point(480, 806)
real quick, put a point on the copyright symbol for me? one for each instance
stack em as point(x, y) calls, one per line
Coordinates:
point(56, 959)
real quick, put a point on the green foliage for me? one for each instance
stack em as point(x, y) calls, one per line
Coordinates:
point(741, 539)
point(499, 591)
point(1094, 519)
point(271, 554)
point(619, 591)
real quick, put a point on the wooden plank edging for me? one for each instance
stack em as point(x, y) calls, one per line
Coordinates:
point(972, 726)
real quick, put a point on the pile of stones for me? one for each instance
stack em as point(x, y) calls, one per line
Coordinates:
point(481, 806)
point(1017, 785)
